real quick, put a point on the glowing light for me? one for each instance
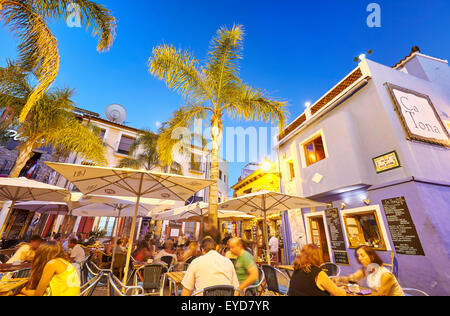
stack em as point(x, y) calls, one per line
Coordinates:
point(362, 57)
point(307, 104)
point(266, 165)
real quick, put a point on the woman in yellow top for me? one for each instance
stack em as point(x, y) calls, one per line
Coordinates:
point(52, 274)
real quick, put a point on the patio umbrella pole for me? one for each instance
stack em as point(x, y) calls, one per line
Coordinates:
point(265, 230)
point(133, 228)
point(116, 230)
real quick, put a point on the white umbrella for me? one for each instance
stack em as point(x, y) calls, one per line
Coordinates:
point(107, 206)
point(131, 183)
point(23, 189)
point(264, 202)
point(196, 212)
point(56, 208)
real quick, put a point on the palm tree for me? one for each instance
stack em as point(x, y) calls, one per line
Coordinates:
point(51, 122)
point(211, 91)
point(38, 50)
point(147, 158)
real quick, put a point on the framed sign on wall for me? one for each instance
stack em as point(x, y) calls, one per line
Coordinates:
point(386, 162)
point(419, 116)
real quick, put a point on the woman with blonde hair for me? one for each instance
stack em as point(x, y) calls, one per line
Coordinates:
point(52, 274)
point(308, 279)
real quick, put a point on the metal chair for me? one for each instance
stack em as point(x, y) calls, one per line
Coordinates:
point(154, 279)
point(254, 289)
point(331, 269)
point(169, 260)
point(272, 284)
point(117, 287)
point(21, 274)
point(218, 290)
point(393, 265)
point(414, 292)
point(119, 263)
point(187, 263)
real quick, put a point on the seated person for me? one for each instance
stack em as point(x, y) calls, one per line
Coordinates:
point(379, 279)
point(210, 269)
point(27, 251)
point(76, 252)
point(142, 253)
point(167, 251)
point(308, 279)
point(52, 274)
point(246, 269)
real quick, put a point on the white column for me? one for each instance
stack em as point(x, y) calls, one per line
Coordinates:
point(4, 214)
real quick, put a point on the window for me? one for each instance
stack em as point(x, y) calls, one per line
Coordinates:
point(220, 174)
point(291, 170)
point(189, 229)
point(196, 163)
point(125, 145)
point(364, 229)
point(314, 151)
point(106, 224)
point(102, 134)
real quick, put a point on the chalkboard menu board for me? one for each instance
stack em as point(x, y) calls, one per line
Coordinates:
point(403, 231)
point(335, 228)
point(341, 257)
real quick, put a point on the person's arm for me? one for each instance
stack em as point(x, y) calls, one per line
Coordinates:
point(387, 282)
point(355, 277)
point(252, 277)
point(323, 281)
point(47, 275)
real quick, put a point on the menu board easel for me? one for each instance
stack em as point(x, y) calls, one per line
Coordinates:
point(337, 237)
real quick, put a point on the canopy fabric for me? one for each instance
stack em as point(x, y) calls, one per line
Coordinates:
point(120, 208)
point(128, 182)
point(23, 189)
point(266, 203)
point(54, 208)
point(196, 212)
point(91, 205)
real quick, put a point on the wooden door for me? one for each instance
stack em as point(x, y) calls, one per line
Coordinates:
point(319, 236)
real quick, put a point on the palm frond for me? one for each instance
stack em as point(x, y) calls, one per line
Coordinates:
point(38, 50)
point(224, 54)
point(180, 71)
point(93, 15)
point(250, 104)
point(177, 129)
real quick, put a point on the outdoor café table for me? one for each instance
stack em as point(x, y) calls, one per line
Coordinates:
point(288, 269)
point(345, 287)
point(9, 287)
point(175, 279)
point(6, 268)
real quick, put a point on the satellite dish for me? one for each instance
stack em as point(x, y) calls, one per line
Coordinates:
point(116, 113)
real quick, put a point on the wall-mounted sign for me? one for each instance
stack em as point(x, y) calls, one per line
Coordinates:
point(341, 258)
point(386, 162)
point(419, 116)
point(403, 231)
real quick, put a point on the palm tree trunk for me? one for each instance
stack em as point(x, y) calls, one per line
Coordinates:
point(25, 153)
point(216, 138)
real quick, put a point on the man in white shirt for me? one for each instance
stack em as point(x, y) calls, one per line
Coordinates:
point(211, 269)
point(166, 252)
point(77, 253)
point(273, 247)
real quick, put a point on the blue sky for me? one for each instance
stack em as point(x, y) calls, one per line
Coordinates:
point(294, 50)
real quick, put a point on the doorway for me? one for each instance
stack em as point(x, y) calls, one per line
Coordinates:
point(319, 236)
